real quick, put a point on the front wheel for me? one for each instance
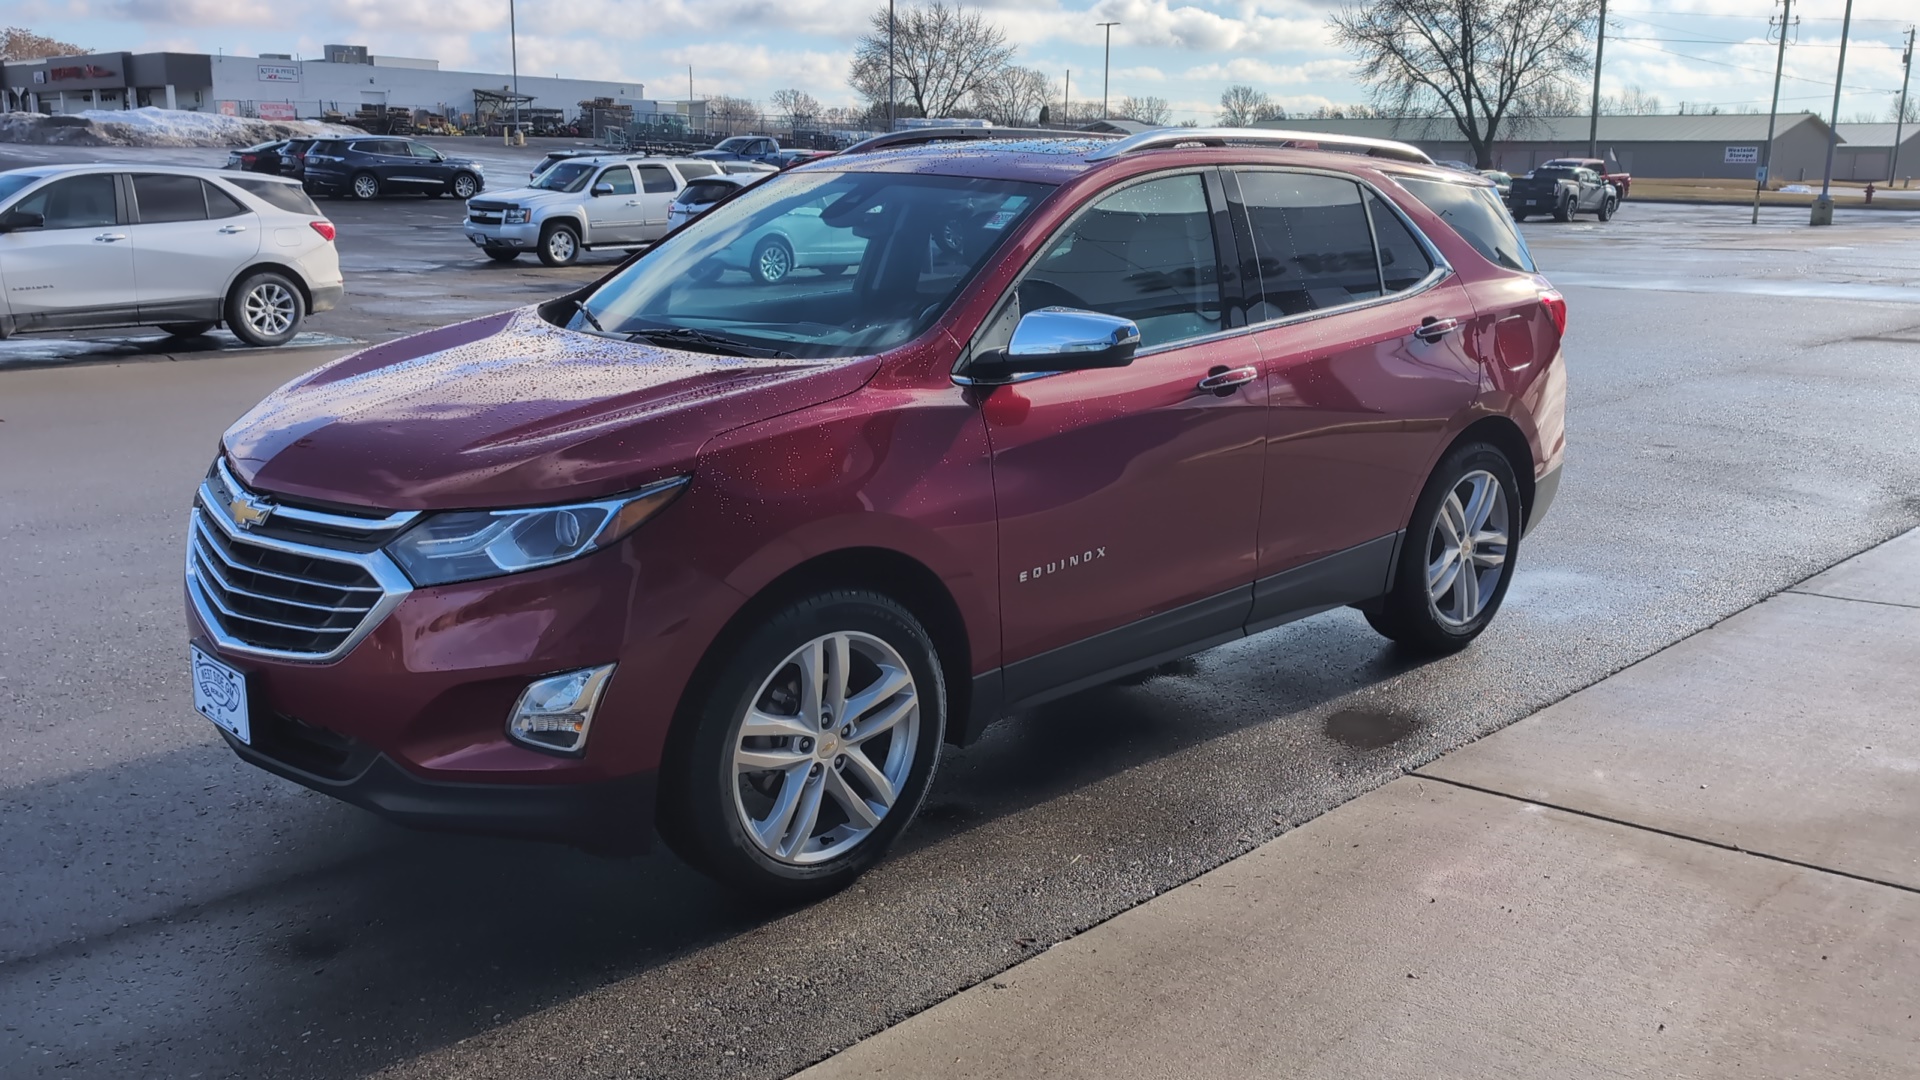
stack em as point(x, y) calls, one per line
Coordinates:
point(187, 329)
point(772, 261)
point(811, 750)
point(559, 245)
point(464, 186)
point(265, 310)
point(502, 255)
point(1457, 557)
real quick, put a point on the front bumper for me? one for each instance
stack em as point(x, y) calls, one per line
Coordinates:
point(504, 237)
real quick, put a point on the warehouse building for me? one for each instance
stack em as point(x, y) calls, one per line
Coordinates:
point(346, 80)
point(1866, 152)
point(1725, 146)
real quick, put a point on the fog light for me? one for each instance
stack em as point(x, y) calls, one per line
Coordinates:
point(554, 713)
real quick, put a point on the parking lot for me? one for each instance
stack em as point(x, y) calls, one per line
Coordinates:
point(1743, 411)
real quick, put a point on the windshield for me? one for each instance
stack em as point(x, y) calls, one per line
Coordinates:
point(737, 144)
point(818, 264)
point(567, 176)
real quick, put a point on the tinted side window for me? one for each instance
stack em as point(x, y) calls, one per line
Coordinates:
point(1311, 243)
point(1403, 261)
point(422, 150)
point(79, 202)
point(694, 170)
point(220, 204)
point(1143, 253)
point(620, 177)
point(656, 178)
point(169, 198)
point(1476, 214)
point(707, 191)
point(287, 197)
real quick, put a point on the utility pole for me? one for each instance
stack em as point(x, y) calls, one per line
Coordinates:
point(1066, 105)
point(1599, 52)
point(891, 125)
point(1823, 206)
point(1900, 112)
point(1106, 71)
point(1773, 110)
point(513, 51)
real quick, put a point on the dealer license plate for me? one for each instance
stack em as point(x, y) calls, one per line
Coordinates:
point(220, 693)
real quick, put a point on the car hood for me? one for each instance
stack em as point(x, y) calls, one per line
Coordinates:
point(509, 410)
point(529, 195)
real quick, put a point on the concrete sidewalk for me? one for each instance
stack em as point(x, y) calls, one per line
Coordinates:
point(1707, 865)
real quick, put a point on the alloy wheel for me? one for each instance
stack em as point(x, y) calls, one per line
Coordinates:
point(270, 309)
point(365, 187)
point(560, 245)
point(463, 187)
point(822, 754)
point(774, 263)
point(1467, 548)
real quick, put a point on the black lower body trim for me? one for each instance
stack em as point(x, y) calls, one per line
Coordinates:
point(612, 816)
point(1123, 650)
point(1352, 576)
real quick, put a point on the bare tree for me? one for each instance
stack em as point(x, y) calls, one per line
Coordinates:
point(1913, 110)
point(1013, 96)
point(1241, 105)
point(943, 55)
point(732, 114)
point(1485, 64)
point(19, 43)
point(799, 107)
point(1147, 110)
point(1633, 101)
point(1343, 112)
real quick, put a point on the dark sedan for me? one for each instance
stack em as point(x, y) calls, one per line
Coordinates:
point(372, 166)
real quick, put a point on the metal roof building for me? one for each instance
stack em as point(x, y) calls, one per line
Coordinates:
point(1866, 151)
point(1722, 145)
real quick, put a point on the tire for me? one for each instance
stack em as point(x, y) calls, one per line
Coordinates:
point(1607, 207)
point(187, 329)
point(1564, 211)
point(559, 245)
point(364, 186)
point(722, 814)
point(1411, 613)
point(772, 261)
point(1519, 217)
point(500, 255)
point(463, 186)
point(265, 309)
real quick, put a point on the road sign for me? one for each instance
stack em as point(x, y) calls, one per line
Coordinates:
point(1760, 175)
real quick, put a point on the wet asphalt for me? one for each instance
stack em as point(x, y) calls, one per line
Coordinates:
point(1736, 425)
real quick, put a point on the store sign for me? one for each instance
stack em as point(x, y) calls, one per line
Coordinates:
point(279, 73)
point(81, 71)
point(277, 110)
point(229, 108)
point(1742, 155)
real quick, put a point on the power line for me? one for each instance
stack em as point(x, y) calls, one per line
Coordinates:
point(1641, 44)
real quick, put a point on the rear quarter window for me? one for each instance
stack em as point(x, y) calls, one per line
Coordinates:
point(288, 197)
point(1476, 214)
point(706, 191)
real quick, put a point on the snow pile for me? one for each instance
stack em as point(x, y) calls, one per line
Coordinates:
point(155, 127)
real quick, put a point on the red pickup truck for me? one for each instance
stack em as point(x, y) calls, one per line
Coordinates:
point(1620, 181)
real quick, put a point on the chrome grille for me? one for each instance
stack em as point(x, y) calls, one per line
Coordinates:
point(276, 596)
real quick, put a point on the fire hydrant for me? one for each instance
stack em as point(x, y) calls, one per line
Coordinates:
point(1869, 194)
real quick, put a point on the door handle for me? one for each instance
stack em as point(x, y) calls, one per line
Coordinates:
point(1222, 378)
point(109, 237)
point(231, 229)
point(1432, 329)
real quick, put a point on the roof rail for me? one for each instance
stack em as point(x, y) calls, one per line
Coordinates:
point(921, 136)
point(1297, 140)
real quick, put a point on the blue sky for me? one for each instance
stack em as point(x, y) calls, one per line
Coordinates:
point(1185, 51)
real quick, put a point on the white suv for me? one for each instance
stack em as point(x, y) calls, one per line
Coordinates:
point(90, 246)
point(612, 201)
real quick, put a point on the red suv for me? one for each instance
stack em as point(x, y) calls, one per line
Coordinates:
point(691, 550)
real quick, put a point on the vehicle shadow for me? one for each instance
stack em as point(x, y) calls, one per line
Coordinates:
point(376, 944)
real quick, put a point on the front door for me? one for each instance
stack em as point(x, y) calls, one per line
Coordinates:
point(614, 218)
point(1358, 399)
point(1128, 498)
point(184, 255)
point(76, 269)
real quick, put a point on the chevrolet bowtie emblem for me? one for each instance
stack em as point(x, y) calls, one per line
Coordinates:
point(249, 512)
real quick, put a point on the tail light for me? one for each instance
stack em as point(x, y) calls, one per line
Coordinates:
point(325, 229)
point(1556, 306)
point(248, 159)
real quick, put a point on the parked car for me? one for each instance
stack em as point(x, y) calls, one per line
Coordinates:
point(262, 157)
point(610, 202)
point(89, 246)
point(372, 166)
point(799, 239)
point(1621, 181)
point(761, 148)
point(700, 196)
point(737, 559)
point(293, 157)
point(1502, 182)
point(1562, 192)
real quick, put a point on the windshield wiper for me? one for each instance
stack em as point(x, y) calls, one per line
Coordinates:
point(719, 343)
point(581, 306)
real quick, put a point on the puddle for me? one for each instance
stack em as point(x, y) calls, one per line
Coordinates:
point(1365, 730)
point(33, 350)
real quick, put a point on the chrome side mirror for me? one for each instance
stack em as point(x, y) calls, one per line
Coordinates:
point(600, 190)
point(1061, 339)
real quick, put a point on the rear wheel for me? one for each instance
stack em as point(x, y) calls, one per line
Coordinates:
point(812, 750)
point(1564, 211)
point(265, 309)
point(1607, 207)
point(772, 261)
point(365, 186)
point(1457, 557)
point(501, 255)
point(559, 245)
point(186, 329)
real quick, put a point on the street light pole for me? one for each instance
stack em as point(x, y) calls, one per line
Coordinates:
point(1823, 206)
point(1106, 71)
point(1599, 52)
point(1066, 104)
point(1773, 110)
point(891, 124)
point(1900, 112)
point(513, 51)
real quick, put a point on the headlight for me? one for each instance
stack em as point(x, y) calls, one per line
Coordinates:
point(468, 544)
point(516, 215)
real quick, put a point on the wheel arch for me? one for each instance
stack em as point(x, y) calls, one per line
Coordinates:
point(1504, 435)
point(283, 269)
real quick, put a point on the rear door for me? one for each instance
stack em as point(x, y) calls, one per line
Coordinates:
point(614, 218)
point(76, 269)
point(658, 186)
point(1360, 326)
point(189, 239)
